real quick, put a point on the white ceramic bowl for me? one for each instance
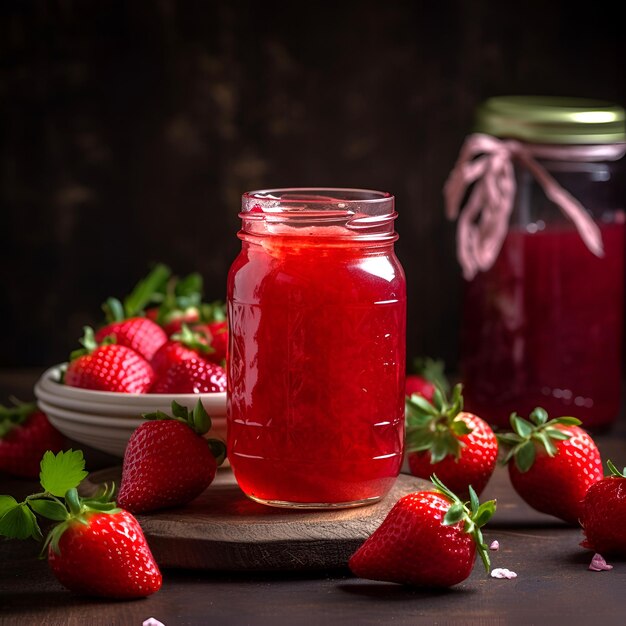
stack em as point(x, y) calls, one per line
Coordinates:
point(105, 420)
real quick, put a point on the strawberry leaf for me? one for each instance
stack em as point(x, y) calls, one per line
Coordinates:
point(454, 514)
point(459, 428)
point(555, 433)
point(566, 421)
point(62, 472)
point(180, 411)
point(539, 416)
point(613, 471)
point(19, 522)
point(218, 450)
point(7, 503)
point(484, 512)
point(522, 427)
point(546, 442)
point(48, 508)
point(201, 422)
point(525, 456)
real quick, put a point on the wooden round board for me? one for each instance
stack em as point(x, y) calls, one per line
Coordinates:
point(224, 530)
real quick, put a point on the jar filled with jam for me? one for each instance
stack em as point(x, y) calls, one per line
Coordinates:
point(538, 194)
point(316, 308)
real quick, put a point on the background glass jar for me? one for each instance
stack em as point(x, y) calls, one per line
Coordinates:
point(317, 308)
point(543, 324)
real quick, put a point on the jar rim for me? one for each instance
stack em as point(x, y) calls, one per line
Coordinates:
point(305, 199)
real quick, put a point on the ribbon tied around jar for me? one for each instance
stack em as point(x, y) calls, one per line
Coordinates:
point(480, 193)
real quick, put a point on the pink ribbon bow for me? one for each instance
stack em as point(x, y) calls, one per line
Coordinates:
point(486, 164)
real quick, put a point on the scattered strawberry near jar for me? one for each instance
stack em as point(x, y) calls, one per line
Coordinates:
point(552, 463)
point(428, 539)
point(442, 438)
point(167, 461)
point(95, 548)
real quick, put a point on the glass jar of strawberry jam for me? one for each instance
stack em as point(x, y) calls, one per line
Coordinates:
point(316, 309)
point(540, 239)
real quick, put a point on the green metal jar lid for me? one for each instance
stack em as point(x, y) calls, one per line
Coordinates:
point(541, 119)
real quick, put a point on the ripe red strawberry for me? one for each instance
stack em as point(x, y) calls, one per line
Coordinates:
point(25, 434)
point(181, 346)
point(108, 367)
point(97, 548)
point(555, 463)
point(193, 375)
point(460, 447)
point(603, 515)
point(425, 376)
point(167, 461)
point(105, 554)
point(138, 333)
point(429, 538)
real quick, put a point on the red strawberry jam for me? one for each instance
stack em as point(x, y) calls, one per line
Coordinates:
point(316, 365)
point(543, 327)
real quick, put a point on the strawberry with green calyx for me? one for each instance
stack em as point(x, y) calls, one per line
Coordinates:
point(95, 548)
point(440, 437)
point(425, 376)
point(25, 434)
point(603, 515)
point(108, 366)
point(167, 461)
point(429, 538)
point(180, 346)
point(552, 463)
point(127, 323)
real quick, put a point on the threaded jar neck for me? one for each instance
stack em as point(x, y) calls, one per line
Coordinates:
point(349, 214)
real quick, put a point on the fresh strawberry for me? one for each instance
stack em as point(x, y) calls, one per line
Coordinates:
point(181, 346)
point(552, 463)
point(167, 461)
point(425, 376)
point(25, 434)
point(108, 367)
point(603, 515)
point(440, 437)
point(429, 538)
point(138, 333)
point(193, 375)
point(96, 548)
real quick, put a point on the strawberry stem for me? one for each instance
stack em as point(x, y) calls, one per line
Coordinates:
point(473, 517)
point(526, 435)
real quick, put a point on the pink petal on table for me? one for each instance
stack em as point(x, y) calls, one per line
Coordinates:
point(494, 545)
point(151, 621)
point(503, 572)
point(598, 564)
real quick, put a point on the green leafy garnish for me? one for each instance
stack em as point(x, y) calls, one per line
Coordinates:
point(62, 471)
point(60, 476)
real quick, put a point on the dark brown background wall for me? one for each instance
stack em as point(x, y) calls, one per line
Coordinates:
point(129, 130)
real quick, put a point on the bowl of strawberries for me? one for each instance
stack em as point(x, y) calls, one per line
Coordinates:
point(161, 344)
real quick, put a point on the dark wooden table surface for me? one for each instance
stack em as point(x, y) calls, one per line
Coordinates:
point(553, 584)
